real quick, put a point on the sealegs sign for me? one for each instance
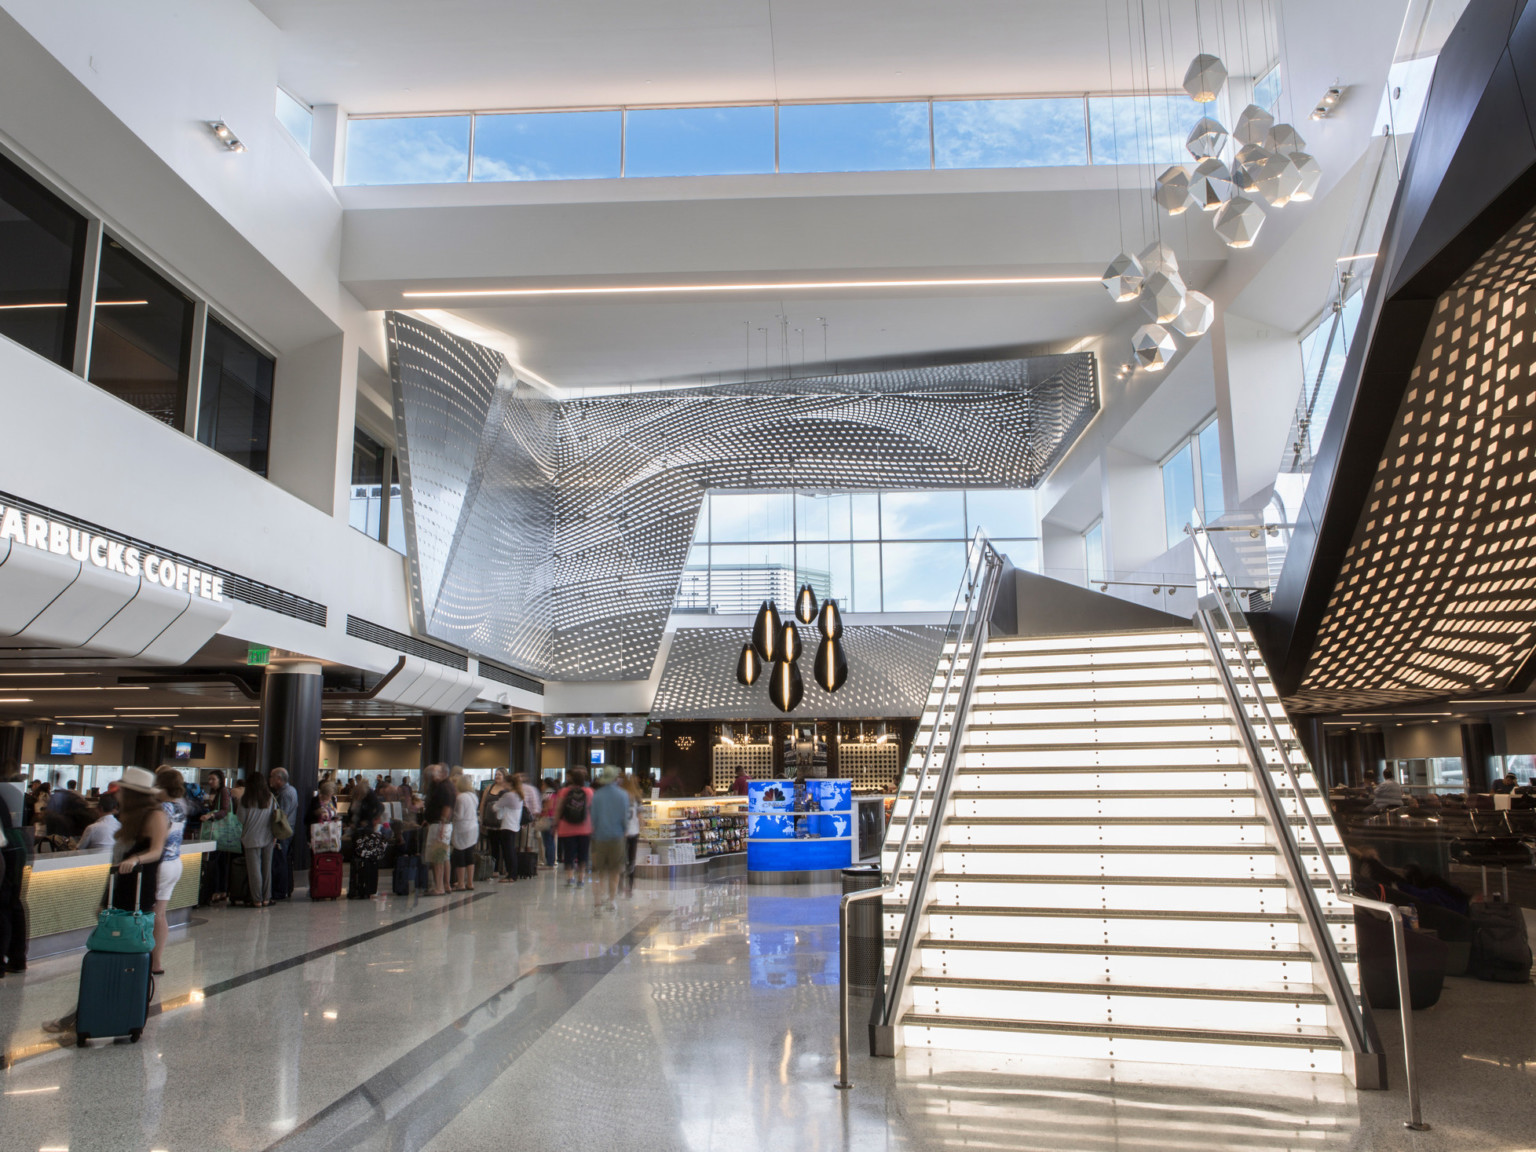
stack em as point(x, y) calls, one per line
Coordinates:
point(31, 530)
point(595, 726)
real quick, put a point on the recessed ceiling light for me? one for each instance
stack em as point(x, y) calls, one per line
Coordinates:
point(769, 286)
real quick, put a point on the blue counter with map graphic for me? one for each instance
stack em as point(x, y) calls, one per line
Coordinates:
point(799, 837)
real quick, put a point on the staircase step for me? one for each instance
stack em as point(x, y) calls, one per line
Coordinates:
point(1313, 1050)
point(1262, 894)
point(1270, 1008)
point(1117, 927)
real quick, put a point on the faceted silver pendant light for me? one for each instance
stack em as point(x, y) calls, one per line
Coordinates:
point(1162, 295)
point(1206, 138)
point(1278, 180)
point(1310, 173)
point(1172, 191)
point(1283, 138)
point(1253, 125)
point(1123, 278)
point(1238, 222)
point(1154, 347)
point(1248, 166)
point(1157, 257)
point(1211, 184)
point(1204, 78)
point(1199, 311)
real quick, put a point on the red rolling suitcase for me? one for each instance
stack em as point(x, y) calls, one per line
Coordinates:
point(325, 876)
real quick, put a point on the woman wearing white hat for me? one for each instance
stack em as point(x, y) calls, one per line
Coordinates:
point(141, 839)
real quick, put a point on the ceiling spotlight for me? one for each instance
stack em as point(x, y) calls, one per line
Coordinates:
point(226, 137)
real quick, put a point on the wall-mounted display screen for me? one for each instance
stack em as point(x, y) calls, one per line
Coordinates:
point(598, 755)
point(186, 750)
point(71, 745)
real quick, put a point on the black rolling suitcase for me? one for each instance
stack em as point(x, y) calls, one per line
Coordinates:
point(239, 880)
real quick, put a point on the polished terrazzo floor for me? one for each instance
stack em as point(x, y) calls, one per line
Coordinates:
point(695, 1018)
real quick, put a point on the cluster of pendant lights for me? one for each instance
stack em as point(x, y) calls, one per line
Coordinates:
point(1269, 166)
point(775, 645)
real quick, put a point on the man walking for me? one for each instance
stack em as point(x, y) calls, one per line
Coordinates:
point(286, 797)
point(610, 817)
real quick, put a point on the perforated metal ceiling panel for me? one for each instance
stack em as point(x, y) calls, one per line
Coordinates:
point(890, 669)
point(1437, 595)
point(551, 534)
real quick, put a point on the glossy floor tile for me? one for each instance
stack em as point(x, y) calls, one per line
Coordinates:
point(695, 1018)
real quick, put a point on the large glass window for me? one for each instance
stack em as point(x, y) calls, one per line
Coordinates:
point(297, 117)
point(1178, 491)
point(234, 412)
point(1093, 552)
point(853, 137)
point(1141, 129)
point(42, 244)
point(141, 342)
point(688, 141)
point(871, 551)
point(409, 150)
point(922, 515)
point(1191, 480)
point(366, 509)
point(1266, 89)
point(1008, 133)
point(548, 145)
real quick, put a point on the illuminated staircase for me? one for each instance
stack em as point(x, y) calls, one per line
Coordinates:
point(1107, 884)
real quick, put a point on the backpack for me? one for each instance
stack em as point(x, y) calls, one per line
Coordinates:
point(573, 809)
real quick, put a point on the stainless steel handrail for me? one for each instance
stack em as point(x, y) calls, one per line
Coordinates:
point(1219, 583)
point(977, 593)
point(901, 962)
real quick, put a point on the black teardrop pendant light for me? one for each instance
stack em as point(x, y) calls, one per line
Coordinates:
point(749, 667)
point(805, 604)
point(767, 632)
point(831, 665)
point(785, 687)
point(789, 645)
point(831, 621)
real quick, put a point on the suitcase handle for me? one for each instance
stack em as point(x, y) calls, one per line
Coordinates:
point(138, 887)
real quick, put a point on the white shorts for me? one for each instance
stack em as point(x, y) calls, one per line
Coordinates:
point(170, 872)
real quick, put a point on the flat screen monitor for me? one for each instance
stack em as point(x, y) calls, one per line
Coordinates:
point(598, 755)
point(183, 750)
point(71, 745)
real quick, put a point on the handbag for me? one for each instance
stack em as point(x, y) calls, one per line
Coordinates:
point(225, 832)
point(118, 930)
point(325, 836)
point(281, 829)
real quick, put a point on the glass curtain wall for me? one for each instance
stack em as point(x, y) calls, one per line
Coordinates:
point(141, 341)
point(1191, 480)
point(42, 254)
point(871, 551)
point(235, 402)
point(142, 327)
point(719, 140)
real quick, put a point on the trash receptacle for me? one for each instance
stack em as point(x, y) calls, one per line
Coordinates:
point(866, 944)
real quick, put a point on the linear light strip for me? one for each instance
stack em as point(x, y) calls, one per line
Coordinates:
point(99, 304)
point(784, 286)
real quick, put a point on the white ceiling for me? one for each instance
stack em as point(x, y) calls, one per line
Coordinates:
point(408, 55)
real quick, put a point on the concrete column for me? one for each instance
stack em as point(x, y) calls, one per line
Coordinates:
point(149, 750)
point(442, 740)
point(1258, 381)
point(11, 742)
point(288, 735)
point(1134, 534)
point(328, 141)
point(314, 408)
